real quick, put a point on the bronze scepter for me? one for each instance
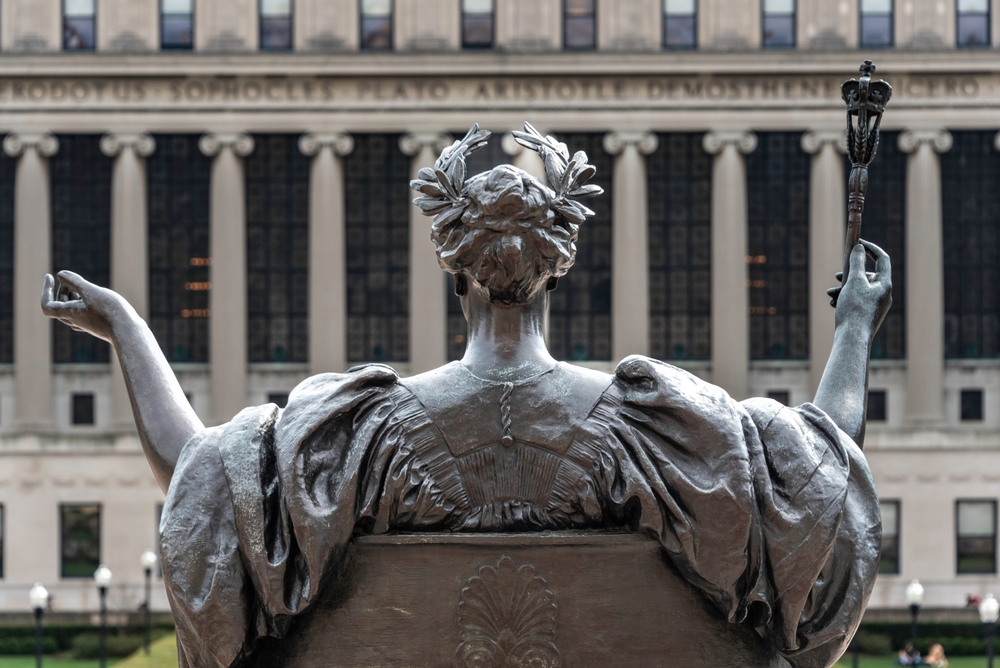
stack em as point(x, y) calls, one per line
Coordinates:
point(866, 100)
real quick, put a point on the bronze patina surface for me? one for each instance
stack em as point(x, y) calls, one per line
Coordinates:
point(509, 509)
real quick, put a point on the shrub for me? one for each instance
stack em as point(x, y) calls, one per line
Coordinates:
point(23, 645)
point(872, 644)
point(88, 645)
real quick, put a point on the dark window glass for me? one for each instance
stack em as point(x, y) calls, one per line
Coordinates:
point(156, 539)
point(83, 409)
point(277, 192)
point(179, 262)
point(2, 529)
point(580, 24)
point(971, 212)
point(778, 248)
point(778, 23)
point(81, 232)
point(973, 23)
point(377, 198)
point(976, 529)
point(876, 23)
point(884, 225)
point(276, 25)
point(971, 405)
point(478, 162)
point(876, 406)
point(680, 21)
point(7, 169)
point(889, 556)
point(781, 396)
point(376, 24)
point(176, 24)
point(78, 25)
point(477, 24)
point(580, 307)
point(680, 248)
point(279, 399)
point(80, 540)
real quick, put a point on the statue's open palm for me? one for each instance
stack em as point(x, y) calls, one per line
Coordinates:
point(77, 302)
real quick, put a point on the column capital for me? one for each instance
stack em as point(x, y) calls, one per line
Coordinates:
point(46, 144)
point(996, 142)
point(814, 141)
point(210, 144)
point(414, 142)
point(615, 142)
point(340, 143)
point(910, 140)
point(745, 141)
point(114, 143)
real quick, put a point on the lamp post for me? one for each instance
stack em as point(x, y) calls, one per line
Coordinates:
point(148, 561)
point(102, 578)
point(915, 597)
point(989, 610)
point(39, 598)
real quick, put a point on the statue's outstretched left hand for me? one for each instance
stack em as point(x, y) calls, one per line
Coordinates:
point(866, 297)
point(82, 305)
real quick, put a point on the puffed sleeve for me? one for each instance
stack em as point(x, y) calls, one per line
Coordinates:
point(770, 511)
point(259, 508)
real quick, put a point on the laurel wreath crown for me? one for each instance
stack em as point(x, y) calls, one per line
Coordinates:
point(445, 189)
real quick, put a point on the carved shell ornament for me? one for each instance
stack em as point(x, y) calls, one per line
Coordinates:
point(507, 619)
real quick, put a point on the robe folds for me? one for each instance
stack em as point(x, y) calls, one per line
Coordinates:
point(769, 511)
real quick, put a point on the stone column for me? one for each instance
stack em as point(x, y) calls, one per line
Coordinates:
point(524, 158)
point(327, 251)
point(228, 298)
point(827, 227)
point(129, 249)
point(630, 243)
point(428, 299)
point(924, 276)
point(730, 299)
point(32, 260)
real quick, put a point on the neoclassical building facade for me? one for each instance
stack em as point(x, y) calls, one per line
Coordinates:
point(238, 171)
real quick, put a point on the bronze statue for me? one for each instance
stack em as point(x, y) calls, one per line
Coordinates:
point(769, 512)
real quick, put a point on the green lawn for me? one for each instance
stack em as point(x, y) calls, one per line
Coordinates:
point(50, 662)
point(888, 662)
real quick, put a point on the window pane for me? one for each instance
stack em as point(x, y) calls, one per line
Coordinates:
point(376, 33)
point(973, 6)
point(376, 7)
point(477, 6)
point(779, 31)
point(179, 262)
point(885, 213)
point(890, 518)
point(177, 6)
point(8, 166)
point(579, 7)
point(176, 32)
point(876, 6)
point(78, 34)
point(779, 6)
point(778, 247)
point(80, 545)
point(876, 406)
point(579, 32)
point(971, 208)
point(275, 7)
point(680, 248)
point(1, 539)
point(973, 29)
point(679, 31)
point(682, 7)
point(81, 232)
point(78, 8)
point(975, 518)
point(377, 200)
point(477, 30)
point(275, 33)
point(876, 30)
point(580, 306)
point(889, 554)
point(277, 199)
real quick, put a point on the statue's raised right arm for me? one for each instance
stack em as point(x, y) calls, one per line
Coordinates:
point(163, 415)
